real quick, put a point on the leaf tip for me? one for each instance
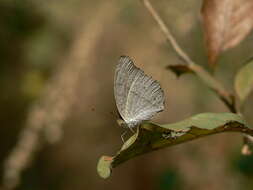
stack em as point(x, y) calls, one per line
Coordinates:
point(104, 166)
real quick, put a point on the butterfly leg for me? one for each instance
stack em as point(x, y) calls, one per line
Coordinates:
point(122, 136)
point(131, 129)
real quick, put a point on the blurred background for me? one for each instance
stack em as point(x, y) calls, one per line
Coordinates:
point(57, 67)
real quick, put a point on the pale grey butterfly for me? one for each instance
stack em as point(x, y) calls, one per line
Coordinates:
point(138, 96)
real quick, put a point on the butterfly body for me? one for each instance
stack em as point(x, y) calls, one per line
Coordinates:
point(138, 96)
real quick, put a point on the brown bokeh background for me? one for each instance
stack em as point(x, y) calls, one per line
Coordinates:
point(70, 48)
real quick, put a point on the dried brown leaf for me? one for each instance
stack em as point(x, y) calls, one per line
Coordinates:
point(180, 69)
point(226, 23)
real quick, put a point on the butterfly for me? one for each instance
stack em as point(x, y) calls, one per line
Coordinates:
point(138, 97)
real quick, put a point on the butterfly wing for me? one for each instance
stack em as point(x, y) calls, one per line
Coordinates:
point(124, 76)
point(138, 96)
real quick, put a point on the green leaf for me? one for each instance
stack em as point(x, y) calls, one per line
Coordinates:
point(244, 81)
point(104, 166)
point(150, 136)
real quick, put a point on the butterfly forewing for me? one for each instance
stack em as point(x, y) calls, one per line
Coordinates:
point(124, 76)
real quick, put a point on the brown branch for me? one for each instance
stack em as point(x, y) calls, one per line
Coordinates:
point(208, 79)
point(167, 32)
point(226, 97)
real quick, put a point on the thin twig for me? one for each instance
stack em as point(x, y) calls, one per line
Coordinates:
point(227, 98)
point(167, 33)
point(224, 95)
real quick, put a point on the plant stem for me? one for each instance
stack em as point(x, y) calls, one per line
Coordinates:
point(167, 32)
point(224, 95)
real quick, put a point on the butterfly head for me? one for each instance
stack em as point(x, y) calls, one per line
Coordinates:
point(130, 124)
